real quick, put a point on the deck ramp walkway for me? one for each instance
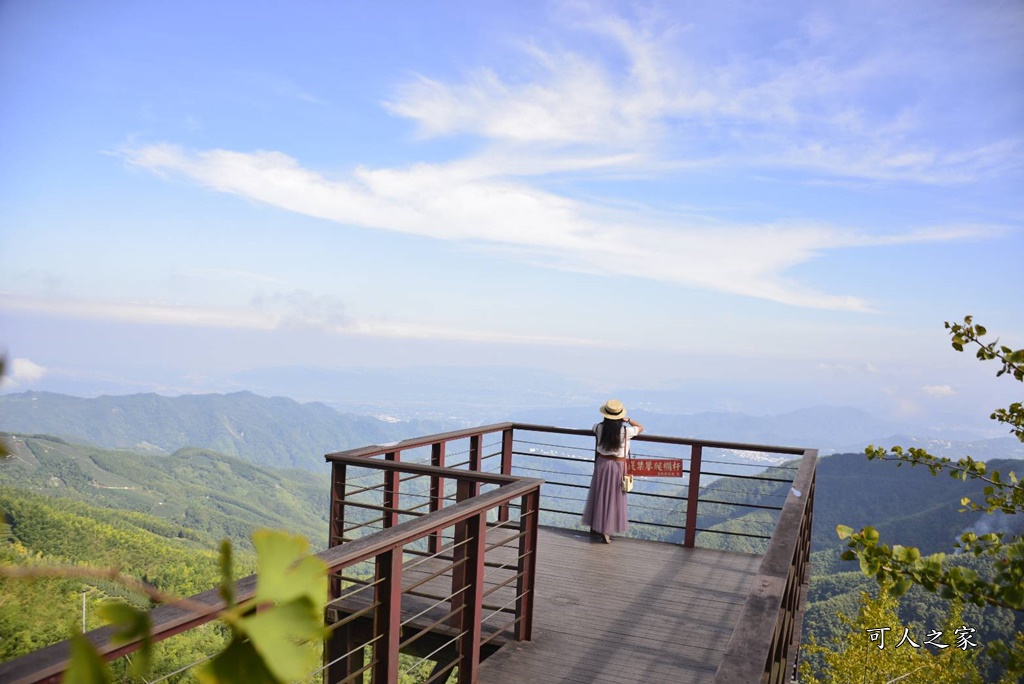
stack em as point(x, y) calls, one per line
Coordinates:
point(632, 611)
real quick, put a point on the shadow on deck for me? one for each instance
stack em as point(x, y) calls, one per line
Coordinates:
point(634, 611)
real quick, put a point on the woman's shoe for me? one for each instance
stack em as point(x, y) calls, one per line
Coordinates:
point(607, 538)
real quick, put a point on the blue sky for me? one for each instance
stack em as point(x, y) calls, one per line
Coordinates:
point(650, 193)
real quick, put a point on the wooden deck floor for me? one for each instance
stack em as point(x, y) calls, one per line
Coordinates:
point(632, 611)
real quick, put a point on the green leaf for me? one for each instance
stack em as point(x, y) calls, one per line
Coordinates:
point(227, 584)
point(278, 634)
point(901, 587)
point(868, 566)
point(130, 624)
point(286, 571)
point(239, 662)
point(844, 531)
point(1014, 597)
point(86, 666)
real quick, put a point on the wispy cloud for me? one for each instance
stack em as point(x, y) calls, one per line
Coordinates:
point(472, 202)
point(23, 372)
point(809, 104)
point(280, 311)
point(865, 368)
point(939, 390)
point(640, 97)
point(228, 274)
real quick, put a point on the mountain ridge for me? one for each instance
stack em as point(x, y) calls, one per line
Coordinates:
point(273, 431)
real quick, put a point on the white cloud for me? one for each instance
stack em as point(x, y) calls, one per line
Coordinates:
point(860, 368)
point(274, 312)
point(234, 275)
point(809, 103)
point(939, 390)
point(471, 201)
point(653, 102)
point(22, 372)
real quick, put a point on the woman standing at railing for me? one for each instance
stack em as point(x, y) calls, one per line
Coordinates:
point(605, 510)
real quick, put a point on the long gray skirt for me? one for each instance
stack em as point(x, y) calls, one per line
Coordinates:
point(605, 510)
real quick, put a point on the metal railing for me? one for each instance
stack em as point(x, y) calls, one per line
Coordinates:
point(765, 644)
point(433, 547)
point(705, 505)
point(386, 551)
point(443, 595)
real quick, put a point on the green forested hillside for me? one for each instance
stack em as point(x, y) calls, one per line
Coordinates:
point(160, 517)
point(275, 431)
point(47, 530)
point(212, 495)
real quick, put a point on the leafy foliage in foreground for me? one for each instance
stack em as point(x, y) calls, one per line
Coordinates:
point(45, 532)
point(901, 567)
point(873, 649)
point(272, 634)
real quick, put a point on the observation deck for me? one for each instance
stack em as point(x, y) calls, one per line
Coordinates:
point(464, 552)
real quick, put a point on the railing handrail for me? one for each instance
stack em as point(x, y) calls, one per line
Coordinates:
point(361, 549)
point(428, 440)
point(424, 469)
point(416, 442)
point(749, 648)
point(50, 662)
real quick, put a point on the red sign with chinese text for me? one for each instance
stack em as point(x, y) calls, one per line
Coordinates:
point(656, 467)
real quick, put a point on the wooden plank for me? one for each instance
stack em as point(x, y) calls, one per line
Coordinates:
point(633, 611)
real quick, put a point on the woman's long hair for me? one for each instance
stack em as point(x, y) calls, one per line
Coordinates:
point(611, 435)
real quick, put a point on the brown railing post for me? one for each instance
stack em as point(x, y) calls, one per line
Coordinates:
point(529, 515)
point(469, 639)
point(391, 478)
point(342, 641)
point(692, 496)
point(387, 619)
point(437, 451)
point(338, 643)
point(460, 559)
point(337, 524)
point(475, 453)
point(801, 575)
point(506, 466)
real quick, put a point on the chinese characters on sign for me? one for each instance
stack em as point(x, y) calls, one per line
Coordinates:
point(656, 467)
point(963, 637)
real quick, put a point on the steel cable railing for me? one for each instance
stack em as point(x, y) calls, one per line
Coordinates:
point(718, 506)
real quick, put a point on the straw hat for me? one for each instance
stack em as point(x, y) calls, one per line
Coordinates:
point(613, 409)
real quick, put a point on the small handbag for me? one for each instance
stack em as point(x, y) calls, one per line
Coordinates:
point(627, 479)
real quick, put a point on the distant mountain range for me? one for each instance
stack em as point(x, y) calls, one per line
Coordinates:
point(285, 433)
point(267, 431)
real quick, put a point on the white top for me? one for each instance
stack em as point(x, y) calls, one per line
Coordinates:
point(628, 432)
